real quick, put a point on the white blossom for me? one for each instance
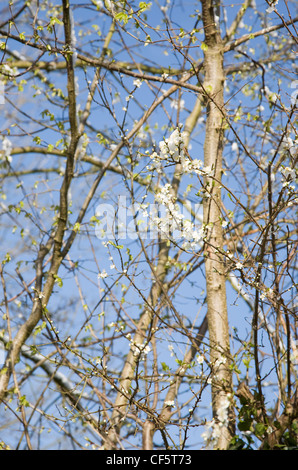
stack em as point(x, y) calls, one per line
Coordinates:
point(170, 403)
point(8, 70)
point(208, 170)
point(116, 98)
point(222, 412)
point(211, 434)
point(270, 94)
point(192, 166)
point(213, 428)
point(200, 359)
point(102, 274)
point(171, 348)
point(137, 82)
point(7, 147)
point(177, 104)
point(272, 6)
point(173, 146)
point(234, 147)
point(288, 172)
point(139, 349)
point(220, 360)
point(268, 293)
point(172, 223)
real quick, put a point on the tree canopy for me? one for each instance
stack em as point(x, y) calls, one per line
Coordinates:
point(148, 208)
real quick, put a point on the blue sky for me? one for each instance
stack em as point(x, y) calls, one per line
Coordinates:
point(39, 193)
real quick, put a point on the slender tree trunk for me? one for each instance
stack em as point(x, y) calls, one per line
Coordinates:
point(215, 277)
point(43, 294)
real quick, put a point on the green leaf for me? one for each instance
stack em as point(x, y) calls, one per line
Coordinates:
point(58, 280)
point(144, 6)
point(37, 140)
point(236, 443)
point(39, 328)
point(23, 401)
point(122, 17)
point(7, 258)
point(260, 429)
point(244, 425)
point(116, 246)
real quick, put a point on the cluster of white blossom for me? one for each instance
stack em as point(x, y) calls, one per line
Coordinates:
point(173, 224)
point(137, 82)
point(267, 293)
point(196, 167)
point(213, 428)
point(98, 3)
point(140, 349)
point(192, 166)
point(290, 181)
point(272, 6)
point(172, 149)
point(271, 95)
point(7, 70)
point(177, 104)
point(170, 403)
point(102, 275)
point(289, 145)
point(171, 219)
point(6, 147)
point(289, 173)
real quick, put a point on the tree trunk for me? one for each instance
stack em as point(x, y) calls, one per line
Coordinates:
point(215, 277)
